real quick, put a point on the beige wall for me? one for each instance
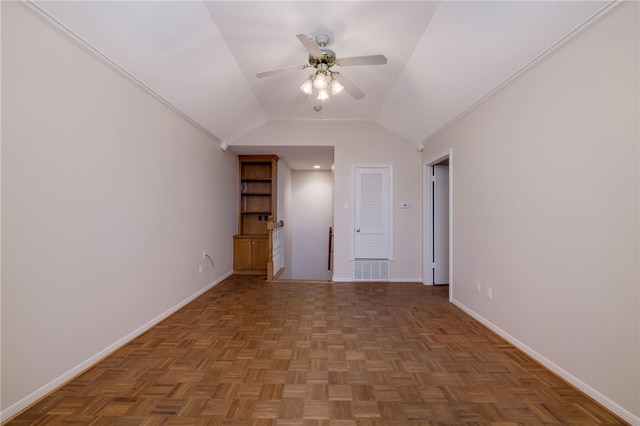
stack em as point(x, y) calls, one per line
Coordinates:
point(108, 200)
point(546, 210)
point(361, 143)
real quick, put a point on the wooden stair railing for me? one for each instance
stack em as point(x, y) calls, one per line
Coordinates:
point(275, 262)
point(330, 255)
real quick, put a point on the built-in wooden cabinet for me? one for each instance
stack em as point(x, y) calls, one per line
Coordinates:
point(257, 200)
point(250, 254)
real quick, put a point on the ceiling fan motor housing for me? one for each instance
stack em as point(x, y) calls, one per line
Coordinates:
point(322, 40)
point(328, 57)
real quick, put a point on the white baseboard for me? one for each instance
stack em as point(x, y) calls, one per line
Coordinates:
point(24, 403)
point(406, 280)
point(31, 399)
point(579, 384)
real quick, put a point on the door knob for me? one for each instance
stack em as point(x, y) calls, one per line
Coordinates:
point(357, 229)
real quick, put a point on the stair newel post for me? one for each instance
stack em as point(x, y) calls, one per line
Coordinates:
point(270, 251)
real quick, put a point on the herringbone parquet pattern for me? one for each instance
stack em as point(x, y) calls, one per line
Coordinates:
point(252, 353)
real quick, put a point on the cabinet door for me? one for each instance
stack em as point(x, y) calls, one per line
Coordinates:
point(242, 253)
point(260, 253)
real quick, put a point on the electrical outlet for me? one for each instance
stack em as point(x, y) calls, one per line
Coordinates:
point(489, 293)
point(200, 269)
point(204, 255)
point(478, 287)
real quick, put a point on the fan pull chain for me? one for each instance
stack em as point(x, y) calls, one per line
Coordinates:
point(318, 109)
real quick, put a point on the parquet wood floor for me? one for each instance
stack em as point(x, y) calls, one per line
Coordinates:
point(344, 354)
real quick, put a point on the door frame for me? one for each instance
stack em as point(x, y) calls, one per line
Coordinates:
point(427, 234)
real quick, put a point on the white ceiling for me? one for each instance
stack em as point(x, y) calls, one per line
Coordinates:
point(203, 56)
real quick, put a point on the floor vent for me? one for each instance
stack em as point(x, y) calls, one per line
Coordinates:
point(371, 270)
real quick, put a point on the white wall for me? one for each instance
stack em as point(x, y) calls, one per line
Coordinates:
point(546, 209)
point(108, 197)
point(312, 213)
point(361, 143)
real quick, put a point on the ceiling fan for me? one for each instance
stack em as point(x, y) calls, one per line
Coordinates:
point(323, 60)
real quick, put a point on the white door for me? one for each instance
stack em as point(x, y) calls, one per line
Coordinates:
point(440, 224)
point(372, 209)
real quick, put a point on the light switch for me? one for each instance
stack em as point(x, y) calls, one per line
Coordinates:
point(346, 205)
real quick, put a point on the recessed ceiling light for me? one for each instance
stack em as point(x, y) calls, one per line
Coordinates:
point(316, 166)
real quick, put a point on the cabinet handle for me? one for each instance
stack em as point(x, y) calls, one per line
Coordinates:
point(357, 229)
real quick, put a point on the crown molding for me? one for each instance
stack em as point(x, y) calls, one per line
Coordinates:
point(92, 51)
point(602, 14)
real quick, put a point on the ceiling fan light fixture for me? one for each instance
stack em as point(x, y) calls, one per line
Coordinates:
point(323, 95)
point(307, 86)
point(336, 87)
point(320, 82)
point(322, 60)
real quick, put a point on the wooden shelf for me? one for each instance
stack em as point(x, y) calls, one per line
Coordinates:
point(256, 202)
point(254, 168)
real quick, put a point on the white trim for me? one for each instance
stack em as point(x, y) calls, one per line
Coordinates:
point(579, 384)
point(406, 280)
point(352, 215)
point(84, 45)
point(427, 217)
point(451, 281)
point(31, 399)
point(606, 11)
point(391, 223)
point(427, 233)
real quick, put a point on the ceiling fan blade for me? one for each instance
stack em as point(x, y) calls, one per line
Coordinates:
point(362, 60)
point(279, 70)
point(302, 97)
point(310, 45)
point(350, 88)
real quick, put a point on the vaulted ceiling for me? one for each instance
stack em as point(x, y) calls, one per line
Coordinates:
point(202, 57)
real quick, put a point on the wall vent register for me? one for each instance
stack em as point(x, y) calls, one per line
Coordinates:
point(371, 270)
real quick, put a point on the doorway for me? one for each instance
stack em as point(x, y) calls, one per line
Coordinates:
point(437, 221)
point(304, 202)
point(311, 218)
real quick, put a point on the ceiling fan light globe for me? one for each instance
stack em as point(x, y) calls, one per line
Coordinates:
point(321, 82)
point(323, 95)
point(336, 87)
point(307, 87)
